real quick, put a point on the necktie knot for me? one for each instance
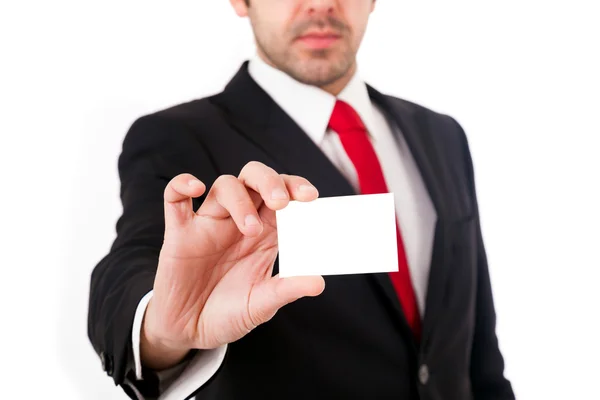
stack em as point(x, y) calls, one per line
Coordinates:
point(344, 119)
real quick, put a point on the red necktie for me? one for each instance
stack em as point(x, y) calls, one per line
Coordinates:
point(354, 137)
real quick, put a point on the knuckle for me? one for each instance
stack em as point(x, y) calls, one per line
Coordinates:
point(225, 180)
point(296, 180)
point(255, 164)
point(178, 182)
point(241, 202)
point(293, 179)
point(251, 166)
point(273, 181)
point(181, 177)
point(299, 178)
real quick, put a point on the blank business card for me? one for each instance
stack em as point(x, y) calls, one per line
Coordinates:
point(338, 235)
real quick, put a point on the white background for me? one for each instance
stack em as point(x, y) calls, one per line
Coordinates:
point(521, 76)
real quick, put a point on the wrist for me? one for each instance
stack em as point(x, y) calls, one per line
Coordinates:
point(157, 352)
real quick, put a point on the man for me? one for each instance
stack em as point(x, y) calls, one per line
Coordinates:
point(188, 301)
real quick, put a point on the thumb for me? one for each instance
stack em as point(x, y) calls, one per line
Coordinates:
point(276, 292)
point(178, 198)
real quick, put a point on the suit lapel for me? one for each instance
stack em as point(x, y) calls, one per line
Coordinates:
point(429, 158)
point(256, 116)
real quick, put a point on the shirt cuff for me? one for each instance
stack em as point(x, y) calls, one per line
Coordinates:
point(136, 332)
point(201, 368)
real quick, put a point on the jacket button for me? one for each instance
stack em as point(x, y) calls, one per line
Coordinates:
point(424, 374)
point(107, 364)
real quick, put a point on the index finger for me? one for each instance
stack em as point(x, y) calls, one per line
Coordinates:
point(178, 198)
point(267, 182)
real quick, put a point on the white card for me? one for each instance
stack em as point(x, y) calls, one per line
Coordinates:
point(338, 235)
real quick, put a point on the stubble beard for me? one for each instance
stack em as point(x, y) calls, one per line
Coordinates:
point(318, 67)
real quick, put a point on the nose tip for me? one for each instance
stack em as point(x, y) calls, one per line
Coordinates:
point(321, 6)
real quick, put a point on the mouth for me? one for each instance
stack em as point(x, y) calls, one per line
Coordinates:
point(318, 40)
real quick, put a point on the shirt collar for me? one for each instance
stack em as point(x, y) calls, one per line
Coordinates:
point(309, 106)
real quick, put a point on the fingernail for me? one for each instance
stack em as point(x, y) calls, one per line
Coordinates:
point(279, 194)
point(251, 220)
point(194, 182)
point(307, 188)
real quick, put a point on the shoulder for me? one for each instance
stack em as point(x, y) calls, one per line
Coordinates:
point(441, 133)
point(439, 124)
point(172, 124)
point(181, 114)
point(443, 130)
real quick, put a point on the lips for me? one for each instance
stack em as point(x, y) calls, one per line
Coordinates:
point(318, 40)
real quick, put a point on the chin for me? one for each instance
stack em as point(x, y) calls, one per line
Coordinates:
point(319, 71)
point(317, 77)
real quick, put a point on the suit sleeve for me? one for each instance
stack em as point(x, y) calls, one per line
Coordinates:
point(487, 364)
point(155, 150)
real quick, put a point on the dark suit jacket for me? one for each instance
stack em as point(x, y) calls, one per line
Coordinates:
point(353, 340)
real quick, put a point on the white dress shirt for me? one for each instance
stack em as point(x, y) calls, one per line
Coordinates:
point(311, 108)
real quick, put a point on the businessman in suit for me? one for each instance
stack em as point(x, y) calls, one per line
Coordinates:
point(188, 302)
